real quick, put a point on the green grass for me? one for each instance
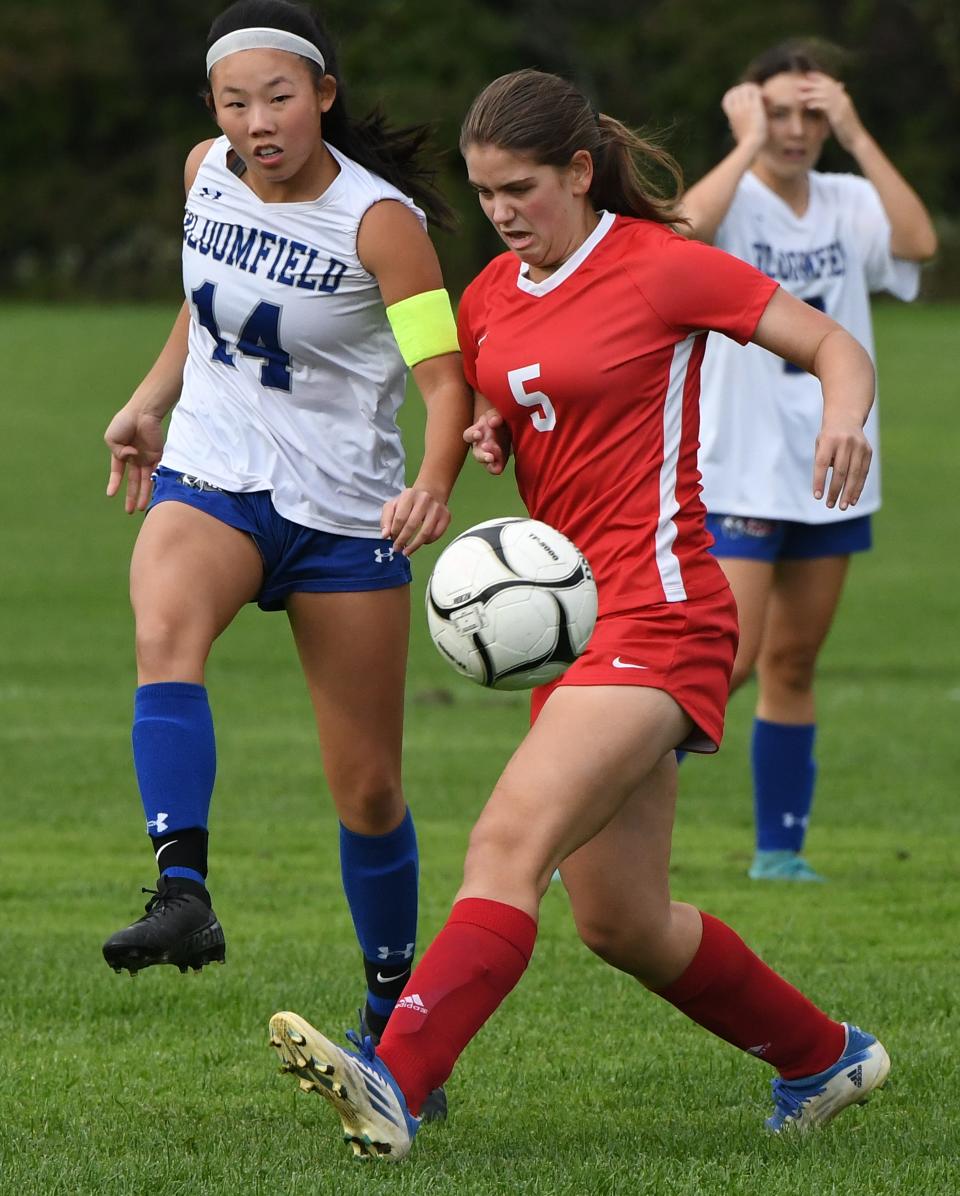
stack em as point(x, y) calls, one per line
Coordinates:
point(583, 1083)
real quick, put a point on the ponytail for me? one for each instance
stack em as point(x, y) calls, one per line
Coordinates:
point(546, 119)
point(621, 185)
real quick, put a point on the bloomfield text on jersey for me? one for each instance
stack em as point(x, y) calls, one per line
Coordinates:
point(292, 263)
point(804, 265)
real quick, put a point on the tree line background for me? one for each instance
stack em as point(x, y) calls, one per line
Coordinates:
point(101, 104)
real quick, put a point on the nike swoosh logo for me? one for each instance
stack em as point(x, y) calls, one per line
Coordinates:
point(387, 979)
point(481, 339)
point(623, 664)
point(164, 848)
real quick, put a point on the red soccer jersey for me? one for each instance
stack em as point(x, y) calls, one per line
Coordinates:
point(596, 371)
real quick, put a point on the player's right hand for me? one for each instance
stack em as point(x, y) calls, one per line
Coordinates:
point(844, 450)
point(135, 441)
point(489, 439)
point(743, 108)
point(820, 93)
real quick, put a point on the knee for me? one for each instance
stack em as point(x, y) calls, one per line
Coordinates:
point(501, 853)
point(630, 943)
point(492, 839)
point(369, 802)
point(167, 648)
point(791, 667)
point(603, 936)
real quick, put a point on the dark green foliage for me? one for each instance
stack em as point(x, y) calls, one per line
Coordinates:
point(101, 106)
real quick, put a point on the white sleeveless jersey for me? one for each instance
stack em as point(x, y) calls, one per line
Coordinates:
point(759, 416)
point(293, 377)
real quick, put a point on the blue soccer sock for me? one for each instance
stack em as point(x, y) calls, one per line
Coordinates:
point(174, 753)
point(380, 879)
point(784, 775)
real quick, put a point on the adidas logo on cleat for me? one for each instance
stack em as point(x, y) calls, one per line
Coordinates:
point(855, 1076)
point(412, 1002)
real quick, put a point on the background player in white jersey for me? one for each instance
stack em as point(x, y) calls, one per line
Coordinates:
point(830, 239)
point(583, 343)
point(310, 281)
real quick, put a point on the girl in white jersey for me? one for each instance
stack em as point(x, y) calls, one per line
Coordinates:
point(310, 285)
point(611, 305)
point(830, 239)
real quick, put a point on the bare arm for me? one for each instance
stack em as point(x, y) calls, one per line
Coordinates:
point(157, 394)
point(393, 246)
point(706, 203)
point(912, 235)
point(801, 334)
point(135, 434)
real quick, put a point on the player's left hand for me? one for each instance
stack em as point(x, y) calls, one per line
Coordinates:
point(415, 517)
point(489, 439)
point(846, 452)
point(820, 93)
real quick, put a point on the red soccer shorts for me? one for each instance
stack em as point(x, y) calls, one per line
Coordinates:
point(684, 648)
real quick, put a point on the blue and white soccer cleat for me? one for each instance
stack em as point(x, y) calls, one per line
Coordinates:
point(815, 1100)
point(782, 865)
point(365, 1095)
point(434, 1107)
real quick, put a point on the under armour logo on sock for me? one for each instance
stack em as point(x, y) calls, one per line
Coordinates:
point(791, 820)
point(385, 952)
point(856, 1076)
point(160, 823)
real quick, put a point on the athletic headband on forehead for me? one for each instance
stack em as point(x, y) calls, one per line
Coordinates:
point(261, 38)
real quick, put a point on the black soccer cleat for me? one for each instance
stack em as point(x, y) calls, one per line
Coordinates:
point(179, 927)
point(434, 1108)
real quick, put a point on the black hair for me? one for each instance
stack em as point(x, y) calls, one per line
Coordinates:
point(396, 154)
point(799, 55)
point(547, 119)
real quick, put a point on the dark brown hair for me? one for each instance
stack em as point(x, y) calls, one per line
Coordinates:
point(799, 55)
point(396, 154)
point(547, 119)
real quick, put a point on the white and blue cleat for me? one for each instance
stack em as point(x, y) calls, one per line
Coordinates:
point(815, 1100)
point(370, 1105)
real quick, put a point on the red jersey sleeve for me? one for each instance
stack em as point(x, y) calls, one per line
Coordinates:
point(467, 334)
point(697, 287)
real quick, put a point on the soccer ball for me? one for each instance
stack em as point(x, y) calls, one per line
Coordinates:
point(511, 603)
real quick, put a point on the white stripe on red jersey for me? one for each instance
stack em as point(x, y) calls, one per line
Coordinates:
point(667, 563)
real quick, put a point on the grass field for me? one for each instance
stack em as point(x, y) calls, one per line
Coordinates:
point(164, 1084)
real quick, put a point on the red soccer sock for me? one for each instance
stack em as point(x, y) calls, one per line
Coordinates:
point(468, 969)
point(732, 993)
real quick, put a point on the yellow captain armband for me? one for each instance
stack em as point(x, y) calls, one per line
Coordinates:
point(423, 326)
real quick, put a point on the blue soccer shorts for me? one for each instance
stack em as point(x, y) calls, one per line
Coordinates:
point(296, 559)
point(783, 540)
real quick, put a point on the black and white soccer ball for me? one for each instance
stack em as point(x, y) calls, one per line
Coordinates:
point(511, 603)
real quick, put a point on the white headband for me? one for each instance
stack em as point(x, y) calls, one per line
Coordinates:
point(262, 39)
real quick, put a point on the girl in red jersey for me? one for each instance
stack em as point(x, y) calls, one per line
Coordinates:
point(583, 344)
